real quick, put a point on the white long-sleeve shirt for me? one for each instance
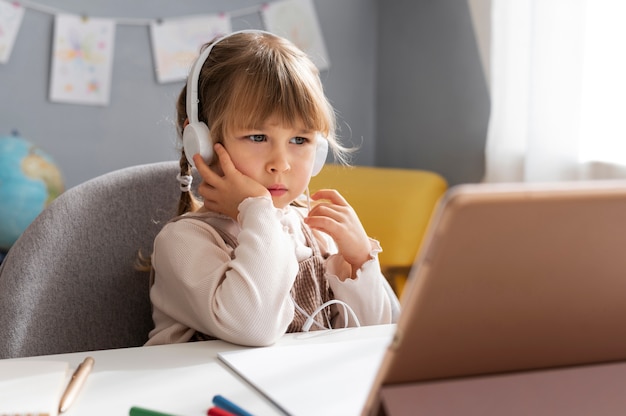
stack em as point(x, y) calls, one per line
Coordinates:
point(199, 285)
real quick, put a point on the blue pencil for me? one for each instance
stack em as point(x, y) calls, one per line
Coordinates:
point(224, 403)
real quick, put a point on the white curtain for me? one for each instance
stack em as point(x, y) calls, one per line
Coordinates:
point(558, 88)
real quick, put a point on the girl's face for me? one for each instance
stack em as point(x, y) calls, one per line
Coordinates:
point(278, 157)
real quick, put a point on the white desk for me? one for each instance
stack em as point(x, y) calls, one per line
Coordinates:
point(182, 379)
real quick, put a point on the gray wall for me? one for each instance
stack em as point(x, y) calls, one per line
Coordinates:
point(433, 103)
point(405, 80)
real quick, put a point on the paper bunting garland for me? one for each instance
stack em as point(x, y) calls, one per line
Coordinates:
point(83, 47)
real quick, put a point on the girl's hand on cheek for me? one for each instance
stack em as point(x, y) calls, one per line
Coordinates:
point(337, 218)
point(223, 194)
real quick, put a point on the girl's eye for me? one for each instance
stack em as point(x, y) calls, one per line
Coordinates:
point(298, 140)
point(257, 137)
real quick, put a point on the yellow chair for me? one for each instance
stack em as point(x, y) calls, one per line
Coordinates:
point(394, 206)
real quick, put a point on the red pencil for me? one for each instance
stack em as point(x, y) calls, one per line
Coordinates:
point(218, 411)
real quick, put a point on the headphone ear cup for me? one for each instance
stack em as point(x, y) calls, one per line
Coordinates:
point(321, 152)
point(197, 139)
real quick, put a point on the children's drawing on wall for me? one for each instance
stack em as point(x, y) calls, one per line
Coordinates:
point(297, 21)
point(82, 59)
point(11, 14)
point(176, 43)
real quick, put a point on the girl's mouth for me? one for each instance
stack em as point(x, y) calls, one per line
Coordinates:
point(277, 190)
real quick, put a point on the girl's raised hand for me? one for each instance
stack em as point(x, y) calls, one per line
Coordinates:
point(334, 216)
point(223, 194)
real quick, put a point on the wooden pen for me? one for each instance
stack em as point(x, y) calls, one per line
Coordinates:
point(76, 383)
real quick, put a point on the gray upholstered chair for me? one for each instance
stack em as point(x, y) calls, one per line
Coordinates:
point(68, 283)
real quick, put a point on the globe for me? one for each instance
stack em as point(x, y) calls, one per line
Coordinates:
point(29, 181)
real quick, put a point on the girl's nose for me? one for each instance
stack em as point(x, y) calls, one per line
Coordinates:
point(278, 160)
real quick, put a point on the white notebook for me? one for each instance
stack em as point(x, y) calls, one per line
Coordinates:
point(31, 387)
point(331, 378)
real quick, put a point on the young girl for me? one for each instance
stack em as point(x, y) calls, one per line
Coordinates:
point(252, 262)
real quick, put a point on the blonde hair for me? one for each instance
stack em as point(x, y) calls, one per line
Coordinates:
point(249, 77)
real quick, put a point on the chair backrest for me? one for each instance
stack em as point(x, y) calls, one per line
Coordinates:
point(394, 206)
point(68, 283)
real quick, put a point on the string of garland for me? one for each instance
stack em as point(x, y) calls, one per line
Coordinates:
point(130, 21)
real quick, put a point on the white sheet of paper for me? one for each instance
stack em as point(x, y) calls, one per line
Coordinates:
point(82, 59)
point(32, 387)
point(316, 379)
point(176, 42)
point(11, 14)
point(297, 21)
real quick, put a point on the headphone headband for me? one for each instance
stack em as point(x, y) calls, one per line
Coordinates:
point(192, 100)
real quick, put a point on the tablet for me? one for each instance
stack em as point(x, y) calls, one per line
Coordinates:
point(513, 277)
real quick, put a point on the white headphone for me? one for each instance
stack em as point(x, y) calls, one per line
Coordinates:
point(196, 135)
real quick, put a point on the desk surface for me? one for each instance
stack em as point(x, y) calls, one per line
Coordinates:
point(182, 379)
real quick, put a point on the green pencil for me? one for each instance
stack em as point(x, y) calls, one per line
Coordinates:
point(138, 411)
